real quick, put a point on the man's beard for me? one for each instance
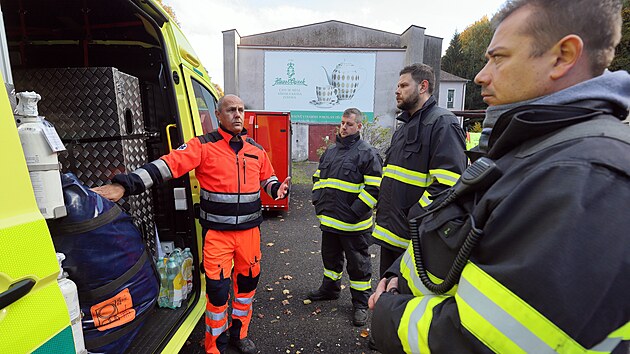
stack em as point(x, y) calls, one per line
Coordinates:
point(409, 103)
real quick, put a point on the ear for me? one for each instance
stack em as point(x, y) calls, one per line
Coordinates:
point(423, 86)
point(568, 52)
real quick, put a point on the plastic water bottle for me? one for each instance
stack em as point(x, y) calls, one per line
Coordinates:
point(173, 276)
point(179, 258)
point(71, 295)
point(187, 270)
point(163, 297)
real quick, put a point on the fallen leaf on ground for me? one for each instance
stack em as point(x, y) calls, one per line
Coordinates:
point(365, 333)
point(287, 277)
point(306, 302)
point(269, 244)
point(343, 287)
point(289, 296)
point(287, 312)
point(260, 315)
point(274, 321)
point(285, 291)
point(285, 302)
point(269, 288)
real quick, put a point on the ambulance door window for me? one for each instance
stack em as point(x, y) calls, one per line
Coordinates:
point(206, 105)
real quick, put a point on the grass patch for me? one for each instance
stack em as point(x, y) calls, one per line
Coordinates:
point(302, 172)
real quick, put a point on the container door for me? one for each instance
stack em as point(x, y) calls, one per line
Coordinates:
point(273, 132)
point(33, 312)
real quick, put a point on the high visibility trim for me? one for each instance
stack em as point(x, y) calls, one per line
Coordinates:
point(507, 324)
point(216, 316)
point(344, 226)
point(613, 340)
point(415, 322)
point(408, 272)
point(360, 285)
point(372, 181)
point(338, 184)
point(165, 171)
point(445, 177)
point(229, 198)
point(332, 274)
point(389, 237)
point(407, 176)
point(367, 198)
point(145, 177)
point(316, 174)
point(425, 199)
point(240, 313)
point(232, 220)
point(268, 183)
point(244, 300)
point(217, 331)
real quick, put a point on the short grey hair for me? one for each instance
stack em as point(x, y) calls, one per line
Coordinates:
point(598, 23)
point(222, 99)
point(358, 115)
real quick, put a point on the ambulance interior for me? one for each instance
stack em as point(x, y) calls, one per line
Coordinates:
point(88, 33)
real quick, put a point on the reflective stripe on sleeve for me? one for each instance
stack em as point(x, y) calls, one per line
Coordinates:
point(316, 174)
point(409, 273)
point(338, 184)
point(444, 177)
point(367, 198)
point(372, 181)
point(145, 177)
point(425, 199)
point(415, 322)
point(389, 237)
point(507, 324)
point(165, 171)
point(344, 226)
point(407, 176)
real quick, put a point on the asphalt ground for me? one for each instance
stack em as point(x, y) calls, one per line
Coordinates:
point(291, 267)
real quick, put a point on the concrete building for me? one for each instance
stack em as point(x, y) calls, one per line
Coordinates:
point(318, 70)
point(452, 91)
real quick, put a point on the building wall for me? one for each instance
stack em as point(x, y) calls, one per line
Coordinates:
point(458, 101)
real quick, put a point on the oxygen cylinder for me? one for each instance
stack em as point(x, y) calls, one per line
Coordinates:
point(40, 144)
point(71, 295)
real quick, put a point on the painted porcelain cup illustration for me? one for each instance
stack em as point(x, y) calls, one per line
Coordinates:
point(326, 94)
point(345, 77)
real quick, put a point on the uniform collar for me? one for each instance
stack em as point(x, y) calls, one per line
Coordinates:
point(228, 135)
point(348, 140)
point(405, 117)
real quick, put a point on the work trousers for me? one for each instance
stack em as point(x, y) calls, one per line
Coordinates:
point(359, 265)
point(226, 253)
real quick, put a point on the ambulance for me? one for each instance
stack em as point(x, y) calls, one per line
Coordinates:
point(176, 102)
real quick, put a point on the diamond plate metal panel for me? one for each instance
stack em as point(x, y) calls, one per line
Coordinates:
point(82, 103)
point(95, 163)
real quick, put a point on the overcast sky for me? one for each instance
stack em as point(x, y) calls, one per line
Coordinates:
point(203, 21)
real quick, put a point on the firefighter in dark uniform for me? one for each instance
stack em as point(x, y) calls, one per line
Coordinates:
point(529, 252)
point(426, 156)
point(231, 170)
point(345, 190)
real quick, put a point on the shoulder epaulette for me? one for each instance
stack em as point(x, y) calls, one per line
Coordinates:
point(211, 137)
point(253, 142)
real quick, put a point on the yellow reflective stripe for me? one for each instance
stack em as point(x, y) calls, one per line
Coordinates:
point(372, 181)
point(316, 174)
point(415, 322)
point(445, 177)
point(367, 198)
point(407, 176)
point(344, 226)
point(389, 237)
point(409, 273)
point(360, 285)
point(507, 324)
point(332, 274)
point(425, 199)
point(338, 184)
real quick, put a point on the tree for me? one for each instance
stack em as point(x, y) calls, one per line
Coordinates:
point(465, 57)
point(622, 54)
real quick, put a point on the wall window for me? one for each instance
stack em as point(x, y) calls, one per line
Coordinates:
point(206, 105)
point(450, 98)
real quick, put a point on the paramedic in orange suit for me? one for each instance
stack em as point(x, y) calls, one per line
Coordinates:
point(231, 169)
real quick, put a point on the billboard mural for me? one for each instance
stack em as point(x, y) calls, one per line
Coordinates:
point(318, 86)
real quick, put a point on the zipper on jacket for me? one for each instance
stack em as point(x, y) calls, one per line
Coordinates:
point(238, 188)
point(244, 173)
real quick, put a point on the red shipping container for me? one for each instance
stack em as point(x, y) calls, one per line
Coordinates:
point(272, 130)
